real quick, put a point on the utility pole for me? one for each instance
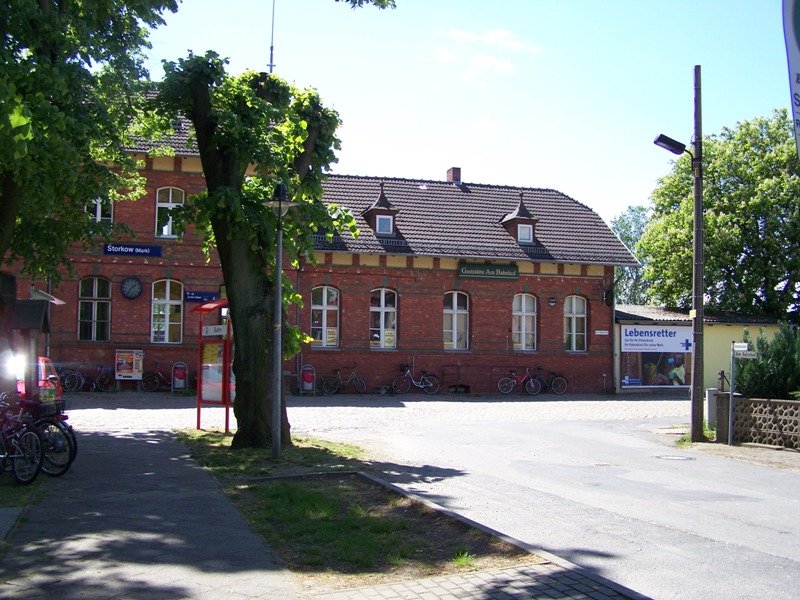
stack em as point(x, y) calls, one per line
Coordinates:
point(698, 288)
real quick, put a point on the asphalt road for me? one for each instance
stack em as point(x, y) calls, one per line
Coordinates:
point(595, 482)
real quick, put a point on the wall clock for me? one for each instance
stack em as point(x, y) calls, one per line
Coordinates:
point(131, 287)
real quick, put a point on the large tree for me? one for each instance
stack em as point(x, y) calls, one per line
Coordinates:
point(630, 286)
point(256, 135)
point(69, 76)
point(752, 223)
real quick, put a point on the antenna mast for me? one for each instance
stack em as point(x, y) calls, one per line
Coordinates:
point(272, 39)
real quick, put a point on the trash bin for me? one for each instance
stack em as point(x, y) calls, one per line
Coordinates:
point(180, 374)
point(308, 377)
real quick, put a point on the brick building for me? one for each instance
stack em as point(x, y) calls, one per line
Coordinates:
point(464, 280)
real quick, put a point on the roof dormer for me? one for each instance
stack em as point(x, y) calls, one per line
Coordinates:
point(381, 215)
point(520, 224)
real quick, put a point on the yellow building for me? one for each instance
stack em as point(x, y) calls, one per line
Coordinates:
point(653, 345)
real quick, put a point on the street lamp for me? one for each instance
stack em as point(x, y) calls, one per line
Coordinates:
point(698, 256)
point(281, 206)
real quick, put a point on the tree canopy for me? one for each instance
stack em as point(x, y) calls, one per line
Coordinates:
point(69, 79)
point(751, 219)
point(257, 135)
point(631, 287)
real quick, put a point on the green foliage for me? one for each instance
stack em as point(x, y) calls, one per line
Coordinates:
point(630, 285)
point(257, 128)
point(378, 3)
point(776, 372)
point(751, 186)
point(69, 84)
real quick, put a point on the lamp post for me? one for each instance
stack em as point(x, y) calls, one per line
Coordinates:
point(698, 254)
point(281, 206)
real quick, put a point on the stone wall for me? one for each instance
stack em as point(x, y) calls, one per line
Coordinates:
point(770, 422)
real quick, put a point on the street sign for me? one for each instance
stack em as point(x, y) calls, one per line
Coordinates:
point(745, 354)
point(739, 346)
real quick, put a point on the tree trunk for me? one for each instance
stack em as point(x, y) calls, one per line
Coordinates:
point(250, 301)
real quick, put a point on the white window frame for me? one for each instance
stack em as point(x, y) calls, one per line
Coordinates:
point(523, 322)
point(385, 334)
point(98, 206)
point(166, 313)
point(455, 327)
point(525, 233)
point(91, 308)
point(384, 224)
point(167, 198)
point(325, 334)
point(575, 324)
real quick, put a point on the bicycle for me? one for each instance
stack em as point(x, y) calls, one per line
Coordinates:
point(72, 380)
point(104, 380)
point(20, 445)
point(154, 380)
point(551, 381)
point(333, 383)
point(427, 383)
point(59, 442)
point(507, 384)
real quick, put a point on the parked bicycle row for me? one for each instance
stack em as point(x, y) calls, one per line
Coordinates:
point(102, 378)
point(34, 437)
point(532, 382)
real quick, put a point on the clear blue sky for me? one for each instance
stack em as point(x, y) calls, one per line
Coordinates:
point(562, 94)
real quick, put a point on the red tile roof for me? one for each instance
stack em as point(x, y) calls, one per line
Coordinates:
point(463, 220)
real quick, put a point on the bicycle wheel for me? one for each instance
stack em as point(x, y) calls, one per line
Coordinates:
point(28, 463)
point(55, 448)
point(330, 384)
point(430, 384)
point(150, 382)
point(505, 385)
point(359, 384)
point(73, 382)
point(558, 385)
point(533, 386)
point(104, 382)
point(401, 384)
point(73, 443)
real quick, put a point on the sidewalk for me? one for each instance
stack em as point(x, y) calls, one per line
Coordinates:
point(136, 518)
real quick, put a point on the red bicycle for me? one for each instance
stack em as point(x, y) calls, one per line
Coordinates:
point(154, 380)
point(512, 381)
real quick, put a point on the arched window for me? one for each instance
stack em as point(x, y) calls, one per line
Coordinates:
point(167, 198)
point(167, 314)
point(325, 316)
point(94, 310)
point(575, 324)
point(101, 209)
point(455, 327)
point(383, 318)
point(523, 322)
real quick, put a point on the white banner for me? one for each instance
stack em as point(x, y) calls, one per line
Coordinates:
point(656, 338)
point(791, 33)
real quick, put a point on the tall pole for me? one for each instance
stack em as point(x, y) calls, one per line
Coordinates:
point(698, 252)
point(277, 337)
point(272, 39)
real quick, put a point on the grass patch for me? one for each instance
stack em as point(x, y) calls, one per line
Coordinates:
point(13, 495)
point(341, 530)
point(709, 435)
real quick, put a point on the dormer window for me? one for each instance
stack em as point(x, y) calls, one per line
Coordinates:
point(384, 224)
point(380, 216)
point(520, 224)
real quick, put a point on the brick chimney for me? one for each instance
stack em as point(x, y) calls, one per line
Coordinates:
point(454, 174)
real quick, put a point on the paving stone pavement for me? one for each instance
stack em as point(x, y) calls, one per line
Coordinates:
point(135, 517)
